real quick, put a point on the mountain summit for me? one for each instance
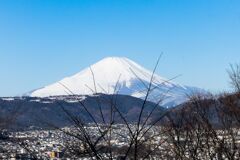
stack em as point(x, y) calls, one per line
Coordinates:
point(118, 75)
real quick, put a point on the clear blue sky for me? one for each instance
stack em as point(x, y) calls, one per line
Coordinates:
point(42, 41)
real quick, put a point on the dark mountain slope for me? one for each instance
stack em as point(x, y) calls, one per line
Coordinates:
point(52, 111)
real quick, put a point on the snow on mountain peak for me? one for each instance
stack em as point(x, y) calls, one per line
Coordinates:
point(116, 75)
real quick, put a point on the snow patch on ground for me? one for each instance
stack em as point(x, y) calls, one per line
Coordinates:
point(8, 99)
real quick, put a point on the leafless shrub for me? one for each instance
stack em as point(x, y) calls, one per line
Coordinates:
point(206, 129)
point(234, 76)
point(141, 136)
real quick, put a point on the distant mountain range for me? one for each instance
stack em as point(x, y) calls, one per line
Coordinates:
point(117, 75)
point(50, 112)
point(54, 111)
point(112, 82)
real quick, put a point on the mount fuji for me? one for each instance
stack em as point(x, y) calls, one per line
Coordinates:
point(119, 75)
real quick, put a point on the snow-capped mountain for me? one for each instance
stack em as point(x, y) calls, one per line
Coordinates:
point(117, 75)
